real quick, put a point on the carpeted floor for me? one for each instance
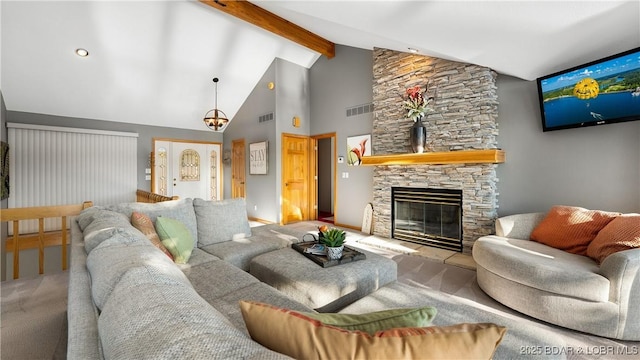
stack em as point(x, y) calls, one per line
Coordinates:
point(33, 321)
point(34, 318)
point(455, 293)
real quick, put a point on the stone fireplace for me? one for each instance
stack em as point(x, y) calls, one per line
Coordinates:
point(425, 216)
point(465, 118)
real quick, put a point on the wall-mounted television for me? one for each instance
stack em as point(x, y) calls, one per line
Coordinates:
point(601, 92)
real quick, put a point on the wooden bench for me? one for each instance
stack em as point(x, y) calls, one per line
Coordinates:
point(42, 238)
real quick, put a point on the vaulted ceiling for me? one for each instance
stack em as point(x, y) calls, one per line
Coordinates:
point(152, 62)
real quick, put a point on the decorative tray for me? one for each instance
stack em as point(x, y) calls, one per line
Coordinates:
point(348, 255)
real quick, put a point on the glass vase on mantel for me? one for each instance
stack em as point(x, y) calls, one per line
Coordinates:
point(418, 136)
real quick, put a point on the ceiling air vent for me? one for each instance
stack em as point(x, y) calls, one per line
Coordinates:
point(265, 117)
point(359, 110)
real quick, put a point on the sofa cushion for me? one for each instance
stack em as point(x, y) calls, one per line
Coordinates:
point(176, 238)
point(296, 335)
point(108, 262)
point(541, 267)
point(378, 320)
point(143, 223)
point(86, 216)
point(181, 210)
point(198, 257)
point(217, 278)
point(571, 228)
point(103, 225)
point(239, 252)
point(259, 292)
point(149, 316)
point(220, 221)
point(623, 233)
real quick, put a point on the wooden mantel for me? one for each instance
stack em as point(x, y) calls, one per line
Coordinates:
point(489, 156)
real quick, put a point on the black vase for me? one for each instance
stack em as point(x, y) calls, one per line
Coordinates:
point(418, 136)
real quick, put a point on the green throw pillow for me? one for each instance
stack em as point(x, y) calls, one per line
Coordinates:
point(176, 238)
point(379, 320)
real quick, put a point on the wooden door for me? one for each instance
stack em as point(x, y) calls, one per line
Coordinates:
point(238, 189)
point(295, 178)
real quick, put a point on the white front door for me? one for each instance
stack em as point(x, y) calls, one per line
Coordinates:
point(188, 169)
point(189, 179)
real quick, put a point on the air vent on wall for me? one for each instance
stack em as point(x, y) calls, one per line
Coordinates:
point(359, 110)
point(265, 117)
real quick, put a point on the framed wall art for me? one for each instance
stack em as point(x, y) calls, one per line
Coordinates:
point(258, 158)
point(357, 147)
point(4, 170)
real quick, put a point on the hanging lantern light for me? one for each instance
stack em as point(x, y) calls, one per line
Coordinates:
point(215, 119)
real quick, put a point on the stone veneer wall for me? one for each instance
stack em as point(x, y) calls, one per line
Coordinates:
point(465, 117)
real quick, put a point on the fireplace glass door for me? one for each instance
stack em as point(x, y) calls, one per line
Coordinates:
point(428, 216)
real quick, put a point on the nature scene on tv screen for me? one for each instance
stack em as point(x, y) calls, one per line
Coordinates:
point(594, 93)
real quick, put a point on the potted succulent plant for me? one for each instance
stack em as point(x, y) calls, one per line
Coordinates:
point(333, 239)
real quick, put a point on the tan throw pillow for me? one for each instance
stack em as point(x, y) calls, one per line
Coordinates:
point(294, 334)
point(143, 223)
point(571, 228)
point(622, 233)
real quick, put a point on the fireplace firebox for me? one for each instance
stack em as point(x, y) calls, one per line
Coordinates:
point(431, 217)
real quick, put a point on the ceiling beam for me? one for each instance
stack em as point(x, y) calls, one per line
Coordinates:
point(260, 17)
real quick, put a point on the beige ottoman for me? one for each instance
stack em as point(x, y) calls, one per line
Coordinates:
point(323, 289)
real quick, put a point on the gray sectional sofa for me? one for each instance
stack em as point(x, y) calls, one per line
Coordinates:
point(128, 300)
point(558, 287)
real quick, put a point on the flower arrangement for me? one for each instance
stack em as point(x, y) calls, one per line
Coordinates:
point(331, 237)
point(416, 103)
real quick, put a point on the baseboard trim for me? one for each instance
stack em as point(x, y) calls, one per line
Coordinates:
point(348, 226)
point(266, 222)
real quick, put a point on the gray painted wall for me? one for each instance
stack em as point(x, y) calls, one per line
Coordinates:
point(289, 98)
point(145, 134)
point(595, 167)
point(262, 202)
point(292, 99)
point(338, 84)
point(3, 203)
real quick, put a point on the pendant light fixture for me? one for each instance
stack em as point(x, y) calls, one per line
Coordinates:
point(215, 119)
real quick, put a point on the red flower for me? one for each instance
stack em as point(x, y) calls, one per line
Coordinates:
point(416, 103)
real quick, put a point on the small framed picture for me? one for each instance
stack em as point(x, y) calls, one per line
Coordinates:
point(258, 158)
point(357, 147)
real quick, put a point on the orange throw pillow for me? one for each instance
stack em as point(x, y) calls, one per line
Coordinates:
point(143, 223)
point(571, 228)
point(623, 233)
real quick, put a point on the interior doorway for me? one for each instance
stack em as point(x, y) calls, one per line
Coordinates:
point(326, 175)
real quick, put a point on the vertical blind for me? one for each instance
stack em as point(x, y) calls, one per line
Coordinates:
point(58, 166)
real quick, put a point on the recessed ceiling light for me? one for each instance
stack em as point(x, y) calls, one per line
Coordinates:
point(82, 52)
point(412, 50)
